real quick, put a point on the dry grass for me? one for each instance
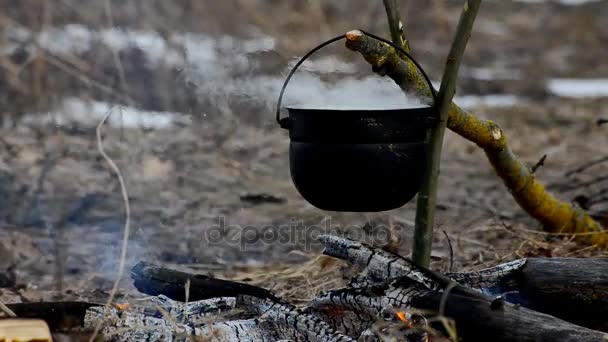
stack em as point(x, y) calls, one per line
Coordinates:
point(296, 283)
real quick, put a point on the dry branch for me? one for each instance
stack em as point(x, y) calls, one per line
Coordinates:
point(555, 215)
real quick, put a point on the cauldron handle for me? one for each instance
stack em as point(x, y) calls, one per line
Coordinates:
point(284, 122)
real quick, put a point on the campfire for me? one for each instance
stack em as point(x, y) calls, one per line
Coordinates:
point(390, 299)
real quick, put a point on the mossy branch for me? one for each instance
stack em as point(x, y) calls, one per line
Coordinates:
point(556, 216)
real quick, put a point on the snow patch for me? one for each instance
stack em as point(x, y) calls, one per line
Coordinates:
point(74, 111)
point(579, 87)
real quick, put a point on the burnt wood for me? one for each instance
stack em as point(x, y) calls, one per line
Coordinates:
point(155, 280)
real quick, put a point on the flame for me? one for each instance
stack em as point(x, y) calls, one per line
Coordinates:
point(402, 317)
point(122, 306)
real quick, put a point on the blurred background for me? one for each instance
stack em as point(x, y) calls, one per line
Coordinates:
point(192, 86)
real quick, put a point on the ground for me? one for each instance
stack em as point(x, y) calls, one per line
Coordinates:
point(210, 191)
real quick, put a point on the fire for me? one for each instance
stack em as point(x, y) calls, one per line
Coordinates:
point(403, 317)
point(122, 306)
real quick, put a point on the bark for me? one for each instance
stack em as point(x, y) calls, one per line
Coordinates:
point(155, 280)
point(378, 265)
point(573, 289)
point(553, 214)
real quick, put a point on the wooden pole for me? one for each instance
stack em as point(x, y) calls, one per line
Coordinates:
point(427, 197)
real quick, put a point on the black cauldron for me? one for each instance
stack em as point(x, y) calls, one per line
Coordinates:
point(357, 160)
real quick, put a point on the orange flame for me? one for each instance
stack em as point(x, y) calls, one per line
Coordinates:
point(123, 306)
point(402, 317)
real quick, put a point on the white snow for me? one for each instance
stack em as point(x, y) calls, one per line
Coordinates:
point(579, 87)
point(89, 114)
point(493, 100)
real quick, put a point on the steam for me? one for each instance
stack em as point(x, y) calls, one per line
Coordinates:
point(226, 71)
point(244, 75)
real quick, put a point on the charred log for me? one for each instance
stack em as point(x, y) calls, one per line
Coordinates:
point(476, 319)
point(274, 318)
point(154, 280)
point(573, 289)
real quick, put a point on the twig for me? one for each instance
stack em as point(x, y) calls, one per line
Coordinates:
point(539, 164)
point(587, 165)
point(126, 229)
point(7, 310)
point(427, 197)
point(395, 25)
point(444, 298)
point(451, 267)
point(118, 65)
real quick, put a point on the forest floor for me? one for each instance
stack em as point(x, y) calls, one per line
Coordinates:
point(208, 178)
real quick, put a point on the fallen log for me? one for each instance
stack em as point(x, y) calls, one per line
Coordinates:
point(572, 289)
point(154, 280)
point(475, 319)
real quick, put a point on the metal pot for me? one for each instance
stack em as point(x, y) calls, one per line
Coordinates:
point(357, 160)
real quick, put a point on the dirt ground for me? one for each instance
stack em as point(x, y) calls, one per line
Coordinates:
point(62, 214)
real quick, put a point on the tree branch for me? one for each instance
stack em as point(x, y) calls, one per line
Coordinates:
point(395, 25)
point(555, 215)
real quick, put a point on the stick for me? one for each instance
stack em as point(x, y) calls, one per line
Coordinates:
point(427, 197)
point(126, 229)
point(539, 164)
point(395, 25)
